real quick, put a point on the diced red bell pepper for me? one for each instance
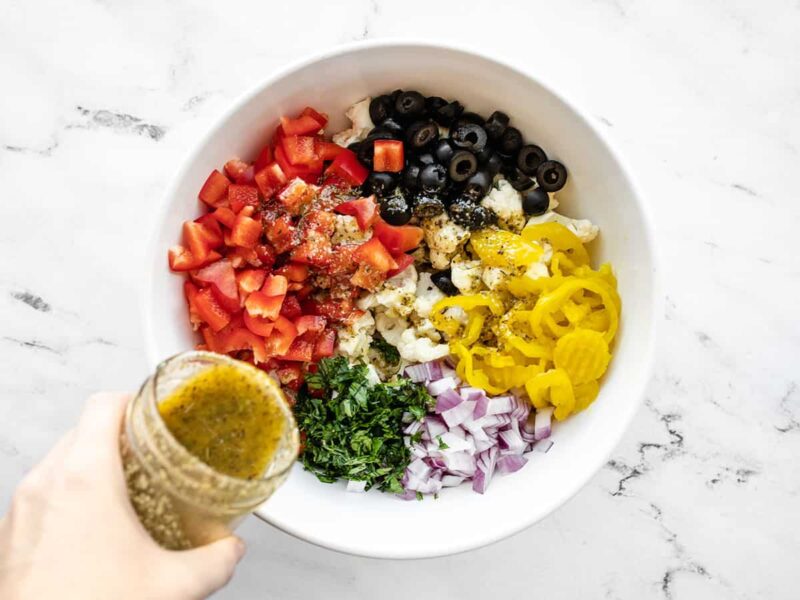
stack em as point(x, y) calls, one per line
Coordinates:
point(264, 158)
point(190, 291)
point(319, 117)
point(210, 339)
point(213, 229)
point(302, 125)
point(311, 323)
point(300, 351)
point(281, 337)
point(328, 150)
point(309, 173)
point(375, 254)
point(201, 238)
point(299, 149)
point(305, 291)
point(291, 376)
point(346, 167)
point(365, 210)
point(367, 277)
point(259, 304)
point(266, 254)
point(236, 170)
point(210, 310)
point(240, 196)
point(324, 347)
point(225, 216)
point(388, 156)
point(315, 252)
point(295, 272)
point(181, 259)
point(258, 325)
point(241, 338)
point(281, 233)
point(270, 179)
point(246, 231)
point(242, 257)
point(215, 190)
point(275, 285)
point(250, 280)
point(340, 311)
point(403, 262)
point(319, 221)
point(398, 239)
point(222, 279)
point(291, 307)
point(296, 195)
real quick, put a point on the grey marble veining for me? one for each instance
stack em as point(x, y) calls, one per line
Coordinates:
point(101, 99)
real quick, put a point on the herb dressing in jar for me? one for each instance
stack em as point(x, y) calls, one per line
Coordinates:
point(205, 442)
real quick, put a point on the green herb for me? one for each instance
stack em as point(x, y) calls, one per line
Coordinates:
point(442, 445)
point(420, 496)
point(388, 352)
point(417, 437)
point(354, 430)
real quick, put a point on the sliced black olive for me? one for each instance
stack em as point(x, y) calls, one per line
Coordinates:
point(518, 180)
point(426, 158)
point(421, 134)
point(392, 125)
point(380, 108)
point(443, 280)
point(470, 117)
point(433, 178)
point(529, 158)
point(409, 105)
point(354, 146)
point(496, 125)
point(469, 136)
point(410, 177)
point(452, 191)
point(365, 152)
point(395, 209)
point(434, 103)
point(462, 166)
point(380, 184)
point(443, 151)
point(447, 113)
point(484, 155)
point(510, 142)
point(381, 133)
point(427, 205)
point(394, 96)
point(478, 185)
point(494, 164)
point(473, 216)
point(535, 202)
point(551, 175)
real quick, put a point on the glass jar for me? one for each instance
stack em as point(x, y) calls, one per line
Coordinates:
point(180, 500)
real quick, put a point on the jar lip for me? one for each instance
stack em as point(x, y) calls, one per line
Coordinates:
point(253, 485)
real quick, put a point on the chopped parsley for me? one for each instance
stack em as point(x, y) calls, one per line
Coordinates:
point(442, 445)
point(388, 352)
point(354, 430)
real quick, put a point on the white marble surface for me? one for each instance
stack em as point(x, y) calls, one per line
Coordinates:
point(701, 499)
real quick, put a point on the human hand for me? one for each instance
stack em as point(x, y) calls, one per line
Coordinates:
point(72, 533)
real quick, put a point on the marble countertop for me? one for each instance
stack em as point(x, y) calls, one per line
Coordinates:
point(701, 499)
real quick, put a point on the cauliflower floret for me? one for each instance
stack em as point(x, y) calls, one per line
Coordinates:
point(355, 339)
point(466, 275)
point(420, 349)
point(391, 328)
point(506, 202)
point(347, 231)
point(425, 328)
point(443, 238)
point(427, 295)
point(494, 277)
point(583, 228)
point(361, 124)
point(537, 270)
point(396, 295)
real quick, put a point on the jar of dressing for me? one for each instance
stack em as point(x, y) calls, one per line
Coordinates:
point(206, 440)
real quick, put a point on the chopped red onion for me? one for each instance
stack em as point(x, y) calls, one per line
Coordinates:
point(449, 443)
point(541, 427)
point(447, 400)
point(356, 486)
point(429, 371)
point(413, 428)
point(419, 468)
point(494, 406)
point(511, 441)
point(543, 445)
point(452, 480)
point(510, 463)
point(471, 393)
point(440, 385)
point(522, 409)
point(461, 463)
point(458, 414)
point(434, 426)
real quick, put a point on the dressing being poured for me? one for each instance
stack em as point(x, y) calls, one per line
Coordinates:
point(226, 418)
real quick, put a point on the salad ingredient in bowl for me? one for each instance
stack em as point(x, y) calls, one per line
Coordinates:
point(410, 285)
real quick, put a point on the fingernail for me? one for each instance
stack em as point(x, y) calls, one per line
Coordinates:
point(241, 548)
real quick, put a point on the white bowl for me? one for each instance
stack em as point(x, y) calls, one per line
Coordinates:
point(599, 188)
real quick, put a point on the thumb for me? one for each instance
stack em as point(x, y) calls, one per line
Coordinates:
point(210, 567)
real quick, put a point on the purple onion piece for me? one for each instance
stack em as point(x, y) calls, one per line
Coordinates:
point(447, 400)
point(542, 423)
point(511, 463)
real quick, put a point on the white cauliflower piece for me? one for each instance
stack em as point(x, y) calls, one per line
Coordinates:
point(506, 202)
point(537, 270)
point(346, 231)
point(420, 349)
point(391, 328)
point(583, 228)
point(494, 277)
point(466, 275)
point(443, 238)
point(553, 201)
point(425, 328)
point(396, 295)
point(427, 295)
point(354, 340)
point(361, 124)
